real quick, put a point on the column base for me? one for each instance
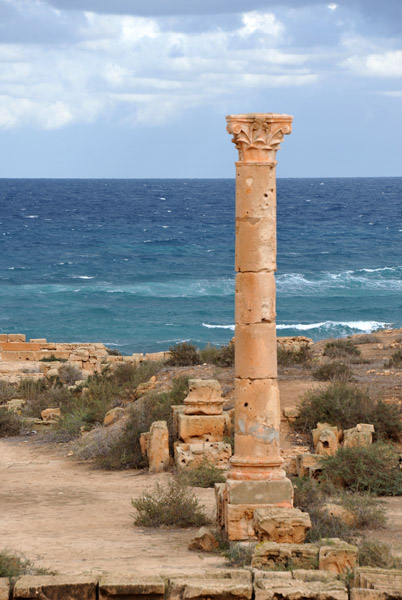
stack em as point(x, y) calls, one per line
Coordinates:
point(236, 502)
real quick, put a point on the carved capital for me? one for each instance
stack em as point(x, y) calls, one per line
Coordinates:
point(257, 135)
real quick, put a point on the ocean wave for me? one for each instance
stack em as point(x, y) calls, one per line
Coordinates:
point(329, 327)
point(232, 327)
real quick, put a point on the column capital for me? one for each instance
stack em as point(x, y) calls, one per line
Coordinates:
point(257, 135)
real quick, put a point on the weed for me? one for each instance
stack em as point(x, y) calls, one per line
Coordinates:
point(113, 352)
point(132, 374)
point(240, 554)
point(13, 566)
point(68, 374)
point(347, 405)
point(7, 391)
point(203, 476)
point(369, 512)
point(374, 469)
point(10, 423)
point(335, 370)
point(182, 355)
point(373, 553)
point(395, 362)
point(341, 349)
point(288, 357)
point(50, 397)
point(31, 389)
point(209, 354)
point(173, 505)
point(52, 358)
point(366, 338)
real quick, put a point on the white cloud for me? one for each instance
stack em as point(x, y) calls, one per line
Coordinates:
point(129, 69)
point(386, 64)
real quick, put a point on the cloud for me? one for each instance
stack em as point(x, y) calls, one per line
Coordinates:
point(130, 69)
point(383, 65)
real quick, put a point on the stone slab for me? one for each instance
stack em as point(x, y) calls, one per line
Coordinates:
point(201, 428)
point(260, 492)
point(132, 587)
point(56, 588)
point(281, 525)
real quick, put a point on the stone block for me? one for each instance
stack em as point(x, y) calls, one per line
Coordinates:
point(190, 456)
point(327, 442)
point(323, 426)
point(239, 521)
point(3, 337)
point(277, 493)
point(38, 341)
point(255, 245)
point(176, 410)
point(306, 462)
point(361, 435)
point(286, 588)
point(209, 588)
point(255, 298)
point(158, 447)
point(204, 397)
point(290, 413)
point(363, 594)
point(144, 440)
point(337, 556)
point(255, 356)
point(281, 525)
point(201, 428)
point(57, 587)
point(370, 578)
point(220, 504)
point(204, 541)
point(255, 191)
point(4, 588)
point(113, 415)
point(132, 587)
point(155, 356)
point(285, 556)
point(16, 337)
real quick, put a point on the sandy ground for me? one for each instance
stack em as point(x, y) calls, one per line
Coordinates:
point(66, 517)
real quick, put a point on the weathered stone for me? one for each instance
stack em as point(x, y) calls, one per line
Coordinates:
point(341, 513)
point(51, 414)
point(158, 447)
point(326, 439)
point(204, 541)
point(16, 337)
point(323, 426)
point(131, 587)
point(281, 525)
point(113, 415)
point(255, 356)
point(279, 588)
point(56, 587)
point(337, 556)
point(255, 298)
point(201, 428)
point(38, 341)
point(238, 520)
point(361, 435)
point(16, 404)
point(190, 456)
point(306, 462)
point(291, 413)
point(204, 589)
point(385, 581)
point(204, 397)
point(4, 588)
point(294, 343)
point(144, 440)
point(278, 493)
point(314, 574)
point(274, 555)
point(176, 410)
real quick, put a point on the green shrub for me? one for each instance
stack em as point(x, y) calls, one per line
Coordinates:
point(130, 375)
point(203, 476)
point(366, 338)
point(395, 362)
point(31, 389)
point(68, 374)
point(221, 357)
point(113, 352)
point(369, 512)
point(7, 391)
point(13, 566)
point(288, 357)
point(341, 349)
point(374, 469)
point(183, 355)
point(51, 397)
point(173, 505)
point(239, 555)
point(373, 553)
point(52, 358)
point(335, 370)
point(69, 425)
point(347, 405)
point(10, 423)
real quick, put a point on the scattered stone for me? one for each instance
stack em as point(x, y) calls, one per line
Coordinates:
point(283, 556)
point(113, 415)
point(326, 439)
point(190, 456)
point(291, 413)
point(361, 435)
point(337, 556)
point(204, 541)
point(158, 447)
point(204, 397)
point(307, 464)
point(281, 525)
point(51, 414)
point(294, 343)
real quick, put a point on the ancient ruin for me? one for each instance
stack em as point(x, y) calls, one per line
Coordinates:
point(256, 478)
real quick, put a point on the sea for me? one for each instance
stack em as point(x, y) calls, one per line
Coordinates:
point(142, 264)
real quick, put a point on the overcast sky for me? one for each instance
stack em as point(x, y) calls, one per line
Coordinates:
point(140, 88)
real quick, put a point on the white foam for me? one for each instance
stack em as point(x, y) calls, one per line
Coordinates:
point(231, 327)
point(363, 326)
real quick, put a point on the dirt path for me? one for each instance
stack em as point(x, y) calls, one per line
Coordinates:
point(71, 519)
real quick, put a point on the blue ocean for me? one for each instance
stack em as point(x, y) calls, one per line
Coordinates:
point(143, 264)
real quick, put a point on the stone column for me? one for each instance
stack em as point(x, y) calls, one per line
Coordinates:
point(255, 477)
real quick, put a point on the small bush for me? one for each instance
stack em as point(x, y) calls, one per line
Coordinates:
point(68, 374)
point(374, 469)
point(369, 512)
point(131, 374)
point(341, 349)
point(347, 405)
point(13, 566)
point(50, 398)
point(10, 424)
point(239, 555)
point(288, 358)
point(221, 357)
point(373, 553)
point(183, 355)
point(31, 389)
point(395, 362)
point(335, 370)
point(203, 476)
point(52, 358)
point(7, 391)
point(173, 506)
point(366, 338)
point(113, 352)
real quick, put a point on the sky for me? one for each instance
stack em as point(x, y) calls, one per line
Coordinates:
point(141, 88)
